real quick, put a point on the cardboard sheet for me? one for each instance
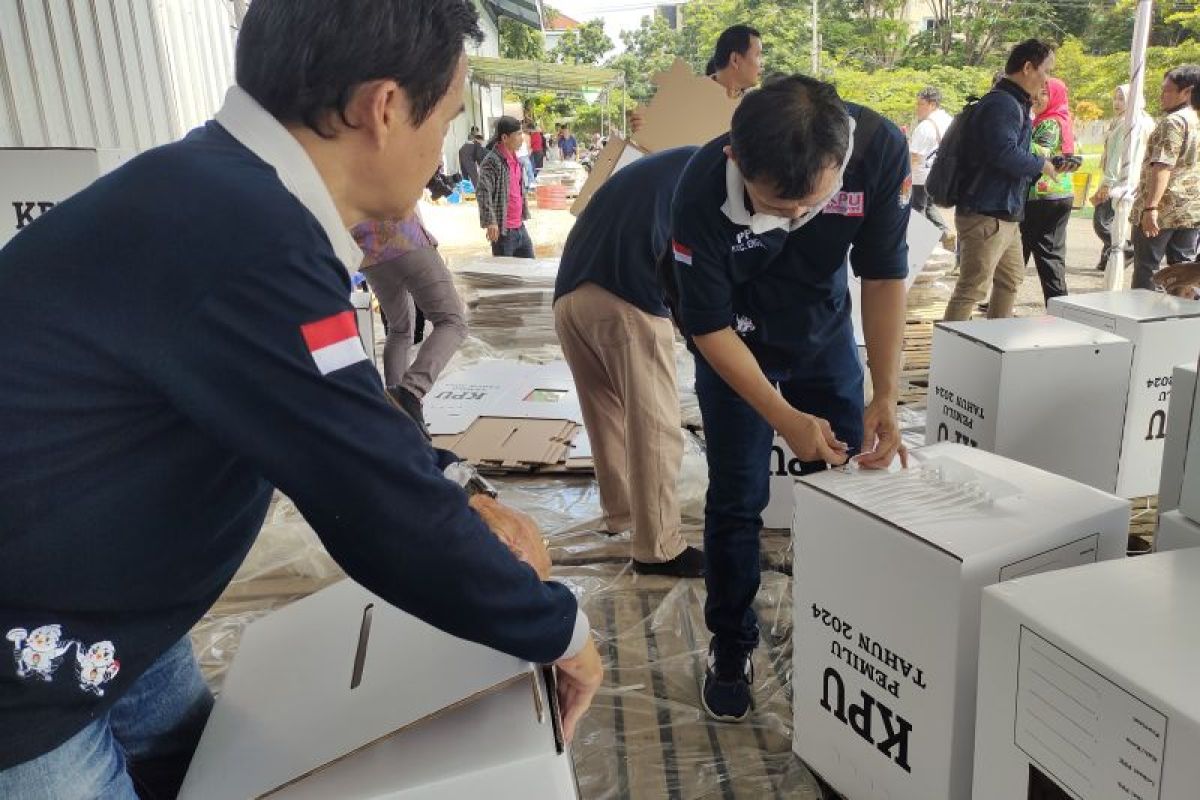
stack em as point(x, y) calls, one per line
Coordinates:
point(687, 109)
point(615, 156)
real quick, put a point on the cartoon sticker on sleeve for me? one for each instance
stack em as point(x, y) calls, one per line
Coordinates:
point(39, 654)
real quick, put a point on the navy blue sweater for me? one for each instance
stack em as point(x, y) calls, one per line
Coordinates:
point(1002, 166)
point(157, 386)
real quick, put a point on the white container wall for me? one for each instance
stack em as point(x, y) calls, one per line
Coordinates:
point(111, 74)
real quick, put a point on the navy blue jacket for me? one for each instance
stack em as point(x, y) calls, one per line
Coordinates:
point(1001, 163)
point(161, 336)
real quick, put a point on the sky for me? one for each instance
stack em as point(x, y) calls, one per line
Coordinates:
point(618, 15)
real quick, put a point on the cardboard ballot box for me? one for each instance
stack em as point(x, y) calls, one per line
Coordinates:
point(888, 572)
point(341, 695)
point(34, 180)
point(1165, 331)
point(1189, 490)
point(1175, 532)
point(1087, 683)
point(1179, 431)
point(1044, 391)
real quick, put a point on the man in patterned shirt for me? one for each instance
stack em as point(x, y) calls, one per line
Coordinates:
point(1166, 214)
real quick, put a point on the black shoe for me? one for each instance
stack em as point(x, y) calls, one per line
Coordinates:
point(688, 564)
point(410, 404)
point(727, 694)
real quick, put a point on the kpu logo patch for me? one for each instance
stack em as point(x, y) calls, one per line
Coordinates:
point(333, 342)
point(847, 204)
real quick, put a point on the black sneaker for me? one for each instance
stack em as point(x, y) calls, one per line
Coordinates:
point(688, 564)
point(727, 695)
point(410, 404)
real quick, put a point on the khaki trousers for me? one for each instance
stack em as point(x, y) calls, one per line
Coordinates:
point(990, 256)
point(623, 362)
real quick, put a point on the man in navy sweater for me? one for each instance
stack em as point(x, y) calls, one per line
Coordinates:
point(177, 342)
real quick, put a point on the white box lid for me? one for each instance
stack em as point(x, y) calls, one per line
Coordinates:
point(1132, 618)
point(1026, 502)
point(287, 707)
point(1138, 305)
point(1031, 333)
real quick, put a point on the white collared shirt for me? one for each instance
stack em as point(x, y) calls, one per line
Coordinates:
point(735, 201)
point(263, 135)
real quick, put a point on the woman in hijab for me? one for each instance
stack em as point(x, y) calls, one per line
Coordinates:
point(1116, 171)
point(405, 271)
point(1044, 229)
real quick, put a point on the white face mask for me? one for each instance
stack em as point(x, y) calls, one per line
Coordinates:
point(735, 204)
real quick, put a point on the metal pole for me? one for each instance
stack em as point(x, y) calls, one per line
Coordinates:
point(816, 41)
point(624, 113)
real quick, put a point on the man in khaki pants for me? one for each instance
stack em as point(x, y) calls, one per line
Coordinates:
point(618, 339)
point(1000, 170)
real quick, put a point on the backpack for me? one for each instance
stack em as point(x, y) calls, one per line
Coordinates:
point(945, 182)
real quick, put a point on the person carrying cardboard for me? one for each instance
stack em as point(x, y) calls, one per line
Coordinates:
point(762, 225)
point(200, 351)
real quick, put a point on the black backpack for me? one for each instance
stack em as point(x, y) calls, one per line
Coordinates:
point(945, 182)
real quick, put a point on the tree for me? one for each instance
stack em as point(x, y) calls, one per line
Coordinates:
point(648, 50)
point(586, 44)
point(520, 41)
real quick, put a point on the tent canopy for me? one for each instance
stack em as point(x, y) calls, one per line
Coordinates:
point(535, 76)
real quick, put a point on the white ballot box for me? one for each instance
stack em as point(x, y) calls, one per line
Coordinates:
point(33, 180)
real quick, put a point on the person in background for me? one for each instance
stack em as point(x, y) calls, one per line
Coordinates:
point(1044, 228)
point(737, 62)
point(405, 271)
point(932, 123)
point(1166, 213)
point(537, 148)
point(1115, 166)
point(524, 155)
point(1001, 167)
point(566, 141)
point(503, 207)
point(617, 337)
point(553, 148)
point(470, 156)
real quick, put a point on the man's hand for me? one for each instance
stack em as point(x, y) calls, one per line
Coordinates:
point(636, 120)
point(1181, 280)
point(493, 233)
point(1101, 196)
point(1049, 171)
point(1149, 223)
point(517, 530)
point(812, 439)
point(578, 680)
point(881, 436)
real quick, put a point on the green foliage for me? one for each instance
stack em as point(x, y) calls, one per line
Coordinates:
point(894, 93)
point(586, 44)
point(521, 41)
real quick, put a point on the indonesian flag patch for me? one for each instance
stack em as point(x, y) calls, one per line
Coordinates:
point(683, 254)
point(334, 342)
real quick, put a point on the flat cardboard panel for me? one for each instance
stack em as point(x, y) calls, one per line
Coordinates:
point(501, 388)
point(1087, 683)
point(686, 110)
point(887, 596)
point(504, 443)
point(32, 181)
point(616, 155)
point(1165, 331)
point(1175, 532)
point(1179, 429)
point(287, 708)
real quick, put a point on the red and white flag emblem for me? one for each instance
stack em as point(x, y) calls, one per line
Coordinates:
point(682, 254)
point(334, 342)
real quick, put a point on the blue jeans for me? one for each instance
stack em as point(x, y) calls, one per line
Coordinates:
point(146, 740)
point(738, 447)
point(515, 243)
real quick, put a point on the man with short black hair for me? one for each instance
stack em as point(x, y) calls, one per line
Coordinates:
point(763, 223)
point(1166, 213)
point(998, 168)
point(737, 61)
point(200, 351)
point(932, 123)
